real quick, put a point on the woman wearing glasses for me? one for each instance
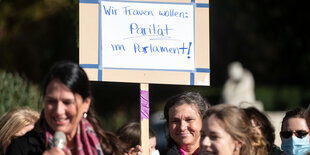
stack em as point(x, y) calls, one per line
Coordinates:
point(295, 133)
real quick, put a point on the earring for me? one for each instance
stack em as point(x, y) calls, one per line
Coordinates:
point(85, 115)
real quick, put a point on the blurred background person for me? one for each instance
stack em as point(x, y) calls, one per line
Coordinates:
point(264, 127)
point(14, 123)
point(227, 130)
point(130, 135)
point(68, 108)
point(295, 133)
point(183, 114)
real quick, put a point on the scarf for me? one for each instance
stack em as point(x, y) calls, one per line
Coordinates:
point(87, 142)
point(183, 152)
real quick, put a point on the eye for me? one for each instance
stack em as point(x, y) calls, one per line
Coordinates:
point(301, 133)
point(175, 121)
point(50, 101)
point(203, 135)
point(214, 137)
point(68, 102)
point(189, 119)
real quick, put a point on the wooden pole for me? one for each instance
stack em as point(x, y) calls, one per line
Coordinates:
point(144, 117)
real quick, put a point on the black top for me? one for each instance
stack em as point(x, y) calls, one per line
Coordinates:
point(275, 150)
point(29, 144)
point(173, 151)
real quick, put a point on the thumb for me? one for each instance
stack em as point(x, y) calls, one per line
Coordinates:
point(67, 152)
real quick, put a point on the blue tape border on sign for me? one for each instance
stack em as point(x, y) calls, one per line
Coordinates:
point(98, 66)
point(88, 1)
point(192, 73)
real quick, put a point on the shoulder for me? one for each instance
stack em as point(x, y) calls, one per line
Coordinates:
point(173, 151)
point(276, 151)
point(30, 143)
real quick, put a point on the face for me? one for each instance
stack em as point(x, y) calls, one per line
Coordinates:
point(308, 116)
point(185, 124)
point(152, 142)
point(294, 124)
point(24, 130)
point(62, 108)
point(215, 140)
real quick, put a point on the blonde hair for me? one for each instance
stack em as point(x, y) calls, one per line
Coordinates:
point(13, 121)
point(238, 126)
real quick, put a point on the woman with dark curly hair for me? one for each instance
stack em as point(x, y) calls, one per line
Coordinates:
point(262, 124)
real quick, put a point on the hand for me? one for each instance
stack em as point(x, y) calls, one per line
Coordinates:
point(56, 151)
point(136, 150)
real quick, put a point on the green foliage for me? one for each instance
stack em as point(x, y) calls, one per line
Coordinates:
point(114, 121)
point(281, 98)
point(16, 91)
point(267, 96)
point(34, 34)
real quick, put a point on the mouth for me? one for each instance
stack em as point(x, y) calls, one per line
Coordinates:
point(209, 153)
point(61, 121)
point(184, 134)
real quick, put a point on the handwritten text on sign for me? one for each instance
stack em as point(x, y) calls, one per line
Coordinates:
point(147, 35)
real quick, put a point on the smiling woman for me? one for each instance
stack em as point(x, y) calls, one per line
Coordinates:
point(227, 130)
point(68, 108)
point(183, 113)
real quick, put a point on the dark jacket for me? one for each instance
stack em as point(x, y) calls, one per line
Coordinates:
point(173, 151)
point(275, 150)
point(29, 144)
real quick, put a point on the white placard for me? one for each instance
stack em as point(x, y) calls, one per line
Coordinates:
point(143, 35)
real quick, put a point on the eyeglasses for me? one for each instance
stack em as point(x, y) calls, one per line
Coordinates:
point(298, 133)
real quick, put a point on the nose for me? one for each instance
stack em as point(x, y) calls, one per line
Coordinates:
point(183, 125)
point(60, 108)
point(205, 141)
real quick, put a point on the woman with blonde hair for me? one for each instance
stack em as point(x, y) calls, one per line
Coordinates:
point(226, 130)
point(14, 123)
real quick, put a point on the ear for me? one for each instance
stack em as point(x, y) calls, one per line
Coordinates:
point(86, 104)
point(238, 144)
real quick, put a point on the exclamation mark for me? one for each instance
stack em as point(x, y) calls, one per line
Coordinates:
point(189, 50)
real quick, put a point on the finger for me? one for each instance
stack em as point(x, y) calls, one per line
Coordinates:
point(139, 148)
point(67, 152)
point(54, 150)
